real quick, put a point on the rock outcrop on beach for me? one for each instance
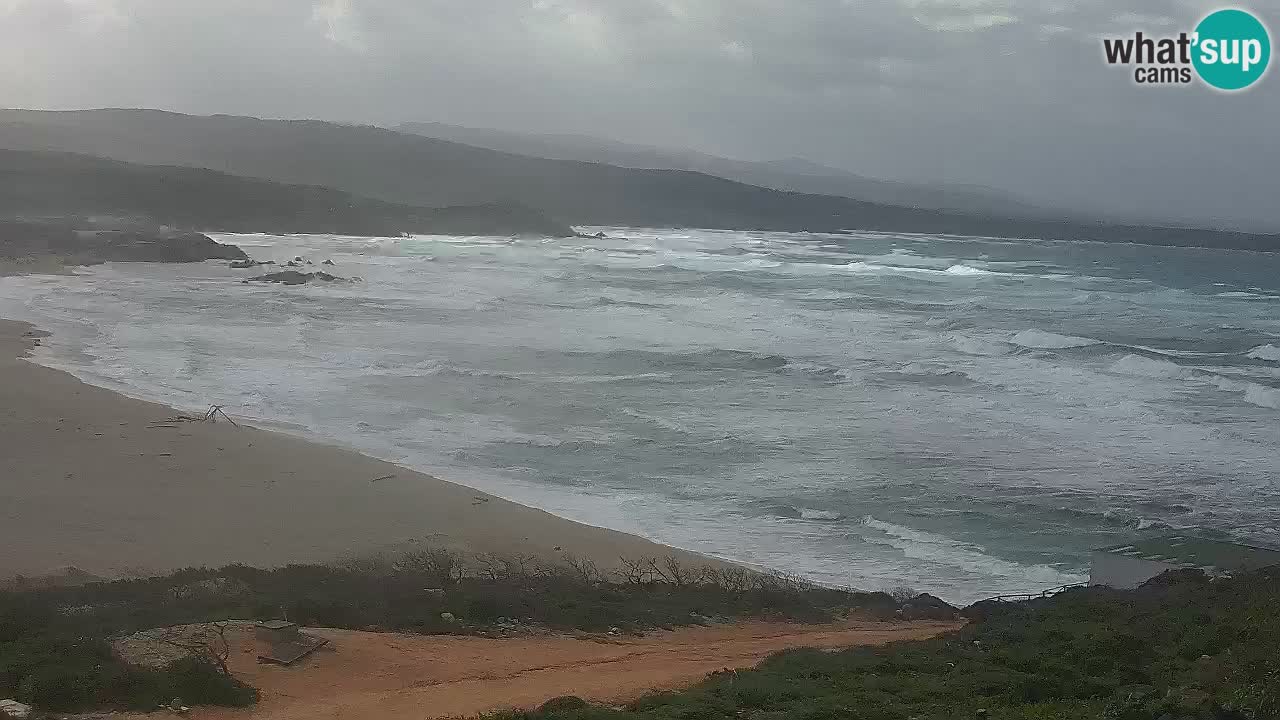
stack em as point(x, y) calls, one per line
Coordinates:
point(76, 246)
point(161, 247)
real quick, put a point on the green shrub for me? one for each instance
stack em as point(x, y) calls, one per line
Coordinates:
point(54, 653)
point(564, 703)
point(1179, 648)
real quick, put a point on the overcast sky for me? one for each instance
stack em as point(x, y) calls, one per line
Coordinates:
point(1007, 93)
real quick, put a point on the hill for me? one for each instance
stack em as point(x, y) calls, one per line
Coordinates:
point(792, 174)
point(407, 169)
point(49, 184)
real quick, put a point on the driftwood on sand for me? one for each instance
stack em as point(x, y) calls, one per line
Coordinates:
point(210, 416)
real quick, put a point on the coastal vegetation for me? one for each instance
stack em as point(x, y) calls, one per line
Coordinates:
point(55, 642)
point(1180, 648)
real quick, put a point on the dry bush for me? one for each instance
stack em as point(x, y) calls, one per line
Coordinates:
point(206, 642)
point(903, 593)
point(507, 568)
point(640, 571)
point(583, 570)
point(673, 572)
point(733, 579)
point(375, 565)
point(444, 566)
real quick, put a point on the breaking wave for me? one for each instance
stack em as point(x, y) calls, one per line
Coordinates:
point(716, 359)
point(1262, 396)
point(1252, 393)
point(970, 271)
point(932, 376)
point(1041, 340)
point(1265, 352)
point(1146, 367)
point(820, 515)
point(1241, 295)
point(665, 423)
point(942, 550)
point(608, 301)
point(985, 347)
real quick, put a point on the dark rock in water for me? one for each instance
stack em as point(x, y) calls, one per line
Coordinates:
point(186, 247)
point(298, 259)
point(292, 263)
point(146, 247)
point(328, 262)
point(241, 264)
point(293, 277)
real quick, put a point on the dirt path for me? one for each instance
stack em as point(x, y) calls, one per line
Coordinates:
point(372, 676)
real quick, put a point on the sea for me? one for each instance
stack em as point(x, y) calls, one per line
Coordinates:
point(962, 416)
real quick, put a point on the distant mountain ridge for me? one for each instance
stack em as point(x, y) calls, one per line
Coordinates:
point(412, 170)
point(789, 174)
point(52, 184)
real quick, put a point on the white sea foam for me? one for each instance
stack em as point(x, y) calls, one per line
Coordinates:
point(1146, 367)
point(1041, 340)
point(662, 422)
point(1251, 372)
point(820, 515)
point(1241, 295)
point(1267, 352)
point(1178, 353)
point(968, 557)
point(908, 259)
point(966, 270)
point(1253, 393)
point(979, 346)
point(1262, 396)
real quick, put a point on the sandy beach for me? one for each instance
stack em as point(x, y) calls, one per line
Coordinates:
point(89, 480)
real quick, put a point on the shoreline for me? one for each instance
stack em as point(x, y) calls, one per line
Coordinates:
point(93, 481)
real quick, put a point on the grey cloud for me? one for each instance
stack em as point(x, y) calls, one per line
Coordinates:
point(1009, 93)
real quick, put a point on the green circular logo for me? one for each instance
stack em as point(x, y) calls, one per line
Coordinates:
point(1232, 49)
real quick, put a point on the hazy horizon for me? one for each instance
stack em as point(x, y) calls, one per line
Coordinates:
point(1007, 94)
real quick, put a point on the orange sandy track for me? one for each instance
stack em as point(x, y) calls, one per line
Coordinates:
point(371, 676)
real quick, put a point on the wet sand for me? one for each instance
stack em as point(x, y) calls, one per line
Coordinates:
point(89, 480)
